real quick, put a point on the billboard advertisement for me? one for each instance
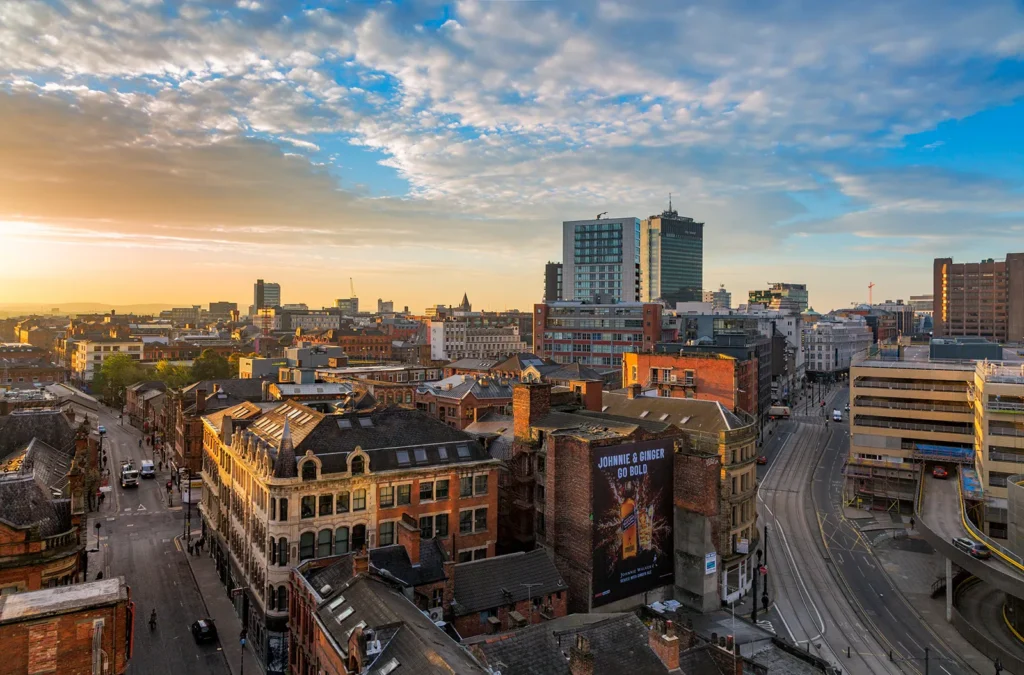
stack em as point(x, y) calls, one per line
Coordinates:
point(632, 519)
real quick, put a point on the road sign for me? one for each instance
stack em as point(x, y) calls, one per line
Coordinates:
point(710, 563)
point(763, 569)
point(235, 592)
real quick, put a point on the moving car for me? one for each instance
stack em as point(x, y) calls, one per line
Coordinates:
point(147, 470)
point(972, 548)
point(203, 630)
point(940, 472)
point(101, 429)
point(847, 407)
point(761, 459)
point(837, 415)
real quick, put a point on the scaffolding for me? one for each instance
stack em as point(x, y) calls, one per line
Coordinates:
point(879, 485)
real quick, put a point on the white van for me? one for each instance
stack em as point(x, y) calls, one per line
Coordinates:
point(147, 470)
point(837, 415)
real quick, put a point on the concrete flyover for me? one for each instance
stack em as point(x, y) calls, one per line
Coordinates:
point(976, 607)
point(941, 518)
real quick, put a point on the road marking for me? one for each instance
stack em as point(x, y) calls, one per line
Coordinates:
point(891, 614)
point(130, 525)
point(111, 518)
point(915, 642)
point(127, 510)
point(861, 572)
point(785, 623)
point(872, 589)
point(800, 577)
point(141, 508)
point(945, 671)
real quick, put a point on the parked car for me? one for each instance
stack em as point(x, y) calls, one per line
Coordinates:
point(847, 407)
point(204, 630)
point(761, 459)
point(972, 548)
point(940, 472)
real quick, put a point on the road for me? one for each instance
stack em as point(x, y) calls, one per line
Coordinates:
point(895, 624)
point(809, 608)
point(137, 541)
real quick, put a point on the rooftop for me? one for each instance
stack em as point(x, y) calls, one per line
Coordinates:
point(502, 580)
point(33, 605)
point(686, 413)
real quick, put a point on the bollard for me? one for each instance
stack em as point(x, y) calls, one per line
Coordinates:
point(847, 651)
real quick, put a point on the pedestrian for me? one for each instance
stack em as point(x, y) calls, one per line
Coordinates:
point(140, 442)
point(161, 465)
point(190, 548)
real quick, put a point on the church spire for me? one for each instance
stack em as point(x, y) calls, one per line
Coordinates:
point(465, 306)
point(284, 463)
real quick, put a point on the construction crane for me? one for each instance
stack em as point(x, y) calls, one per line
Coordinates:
point(601, 214)
point(352, 287)
point(871, 286)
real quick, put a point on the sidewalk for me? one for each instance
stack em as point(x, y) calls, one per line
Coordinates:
point(220, 609)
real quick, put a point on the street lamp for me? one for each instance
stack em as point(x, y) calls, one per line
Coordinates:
point(188, 509)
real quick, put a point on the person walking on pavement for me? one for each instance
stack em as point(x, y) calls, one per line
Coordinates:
point(190, 547)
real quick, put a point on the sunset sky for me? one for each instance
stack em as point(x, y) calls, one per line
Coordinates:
point(175, 151)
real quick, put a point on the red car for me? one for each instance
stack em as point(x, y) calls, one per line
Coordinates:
point(940, 472)
point(761, 459)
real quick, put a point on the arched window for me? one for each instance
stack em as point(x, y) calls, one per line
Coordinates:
point(341, 541)
point(282, 551)
point(357, 465)
point(273, 549)
point(284, 508)
point(358, 537)
point(306, 546)
point(323, 544)
point(273, 508)
point(309, 470)
point(282, 598)
point(271, 599)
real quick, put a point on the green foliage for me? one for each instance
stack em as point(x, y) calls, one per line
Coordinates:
point(210, 366)
point(233, 362)
point(117, 372)
point(174, 376)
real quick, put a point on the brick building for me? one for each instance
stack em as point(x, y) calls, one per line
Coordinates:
point(21, 373)
point(184, 436)
point(983, 299)
point(460, 404)
point(289, 484)
point(594, 334)
point(364, 345)
point(73, 630)
point(505, 592)
point(138, 401)
point(705, 376)
point(41, 539)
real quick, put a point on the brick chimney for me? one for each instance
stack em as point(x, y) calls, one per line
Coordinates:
point(589, 392)
point(663, 642)
point(530, 402)
point(634, 391)
point(581, 659)
point(409, 537)
point(200, 401)
point(360, 562)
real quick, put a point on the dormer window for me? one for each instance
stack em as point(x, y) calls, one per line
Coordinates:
point(357, 465)
point(308, 470)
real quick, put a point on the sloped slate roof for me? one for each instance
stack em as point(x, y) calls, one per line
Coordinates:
point(395, 560)
point(49, 465)
point(25, 501)
point(246, 390)
point(49, 426)
point(685, 413)
point(492, 582)
point(619, 644)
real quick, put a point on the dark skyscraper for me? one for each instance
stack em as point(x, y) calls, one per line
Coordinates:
point(552, 282)
point(672, 258)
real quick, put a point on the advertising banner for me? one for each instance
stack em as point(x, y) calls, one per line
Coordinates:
point(632, 519)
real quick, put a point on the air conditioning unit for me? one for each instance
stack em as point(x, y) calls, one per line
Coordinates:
point(436, 613)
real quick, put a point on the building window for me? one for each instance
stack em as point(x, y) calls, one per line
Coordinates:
point(357, 466)
point(466, 522)
point(359, 500)
point(465, 556)
point(480, 518)
point(341, 504)
point(387, 534)
point(387, 497)
point(441, 490)
point(434, 526)
point(282, 598)
point(426, 491)
point(540, 493)
point(309, 470)
point(323, 544)
point(480, 486)
point(341, 540)
point(997, 479)
point(273, 508)
point(284, 509)
point(306, 545)
point(404, 494)
point(282, 552)
point(358, 537)
point(326, 505)
point(307, 507)
point(466, 486)
point(540, 464)
point(540, 522)
point(480, 554)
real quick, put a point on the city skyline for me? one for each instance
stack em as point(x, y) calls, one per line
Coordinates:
point(214, 143)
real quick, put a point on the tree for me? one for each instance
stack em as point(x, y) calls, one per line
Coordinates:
point(210, 366)
point(173, 375)
point(117, 372)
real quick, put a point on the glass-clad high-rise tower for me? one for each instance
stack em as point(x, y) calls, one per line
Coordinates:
point(601, 260)
point(672, 258)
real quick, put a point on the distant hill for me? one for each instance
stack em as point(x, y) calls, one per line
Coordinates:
point(19, 308)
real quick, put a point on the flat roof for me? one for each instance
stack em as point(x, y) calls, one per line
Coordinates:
point(61, 600)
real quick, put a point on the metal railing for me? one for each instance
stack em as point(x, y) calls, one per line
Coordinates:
point(1004, 431)
point(925, 407)
point(966, 430)
point(1004, 406)
point(1006, 554)
point(913, 386)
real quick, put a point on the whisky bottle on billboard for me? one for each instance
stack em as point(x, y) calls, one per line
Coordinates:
point(628, 513)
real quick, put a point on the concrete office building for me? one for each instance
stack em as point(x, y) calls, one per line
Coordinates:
point(552, 282)
point(601, 260)
point(720, 299)
point(265, 295)
point(983, 299)
point(594, 334)
point(347, 305)
point(829, 346)
point(671, 258)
